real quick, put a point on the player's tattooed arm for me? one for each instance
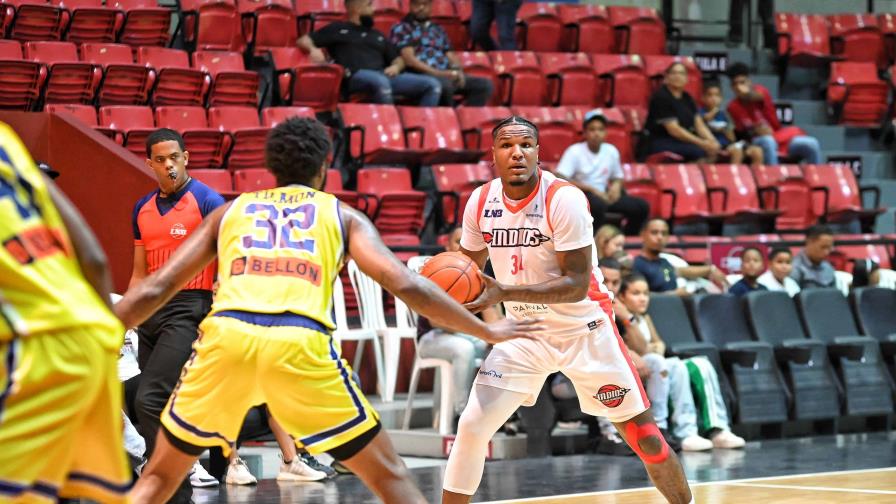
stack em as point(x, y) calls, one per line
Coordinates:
point(570, 287)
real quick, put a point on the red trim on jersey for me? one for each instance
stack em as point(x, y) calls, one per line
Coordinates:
point(555, 185)
point(516, 207)
point(607, 306)
point(483, 194)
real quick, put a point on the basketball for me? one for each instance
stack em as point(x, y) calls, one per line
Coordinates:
point(456, 274)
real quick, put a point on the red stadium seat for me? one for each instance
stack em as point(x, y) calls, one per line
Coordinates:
point(84, 113)
point(218, 27)
point(253, 179)
point(272, 116)
point(521, 77)
point(132, 122)
point(35, 20)
point(734, 191)
point(315, 14)
point(69, 80)
point(247, 135)
point(207, 146)
point(699, 255)
point(303, 83)
point(623, 80)
point(841, 195)
point(877, 252)
point(386, 14)
point(176, 82)
point(639, 30)
point(478, 64)
point(587, 28)
point(90, 21)
point(685, 196)
point(436, 131)
point(444, 14)
point(886, 22)
point(638, 182)
point(784, 187)
point(231, 83)
point(476, 124)
point(402, 240)
point(124, 82)
point(857, 37)
point(21, 81)
point(802, 39)
point(555, 130)
point(655, 66)
point(375, 135)
point(219, 180)
point(145, 23)
point(542, 29)
point(570, 78)
point(335, 187)
point(394, 206)
point(454, 185)
point(269, 23)
point(857, 95)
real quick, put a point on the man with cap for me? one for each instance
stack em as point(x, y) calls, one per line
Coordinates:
point(594, 167)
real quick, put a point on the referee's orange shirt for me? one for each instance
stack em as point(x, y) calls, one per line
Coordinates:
point(161, 224)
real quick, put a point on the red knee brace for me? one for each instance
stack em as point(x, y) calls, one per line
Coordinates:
point(636, 433)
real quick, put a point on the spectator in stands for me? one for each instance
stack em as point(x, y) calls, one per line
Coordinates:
point(673, 122)
point(811, 267)
point(671, 379)
point(750, 267)
point(865, 273)
point(755, 118)
point(462, 350)
point(610, 243)
point(425, 48)
point(660, 274)
point(777, 277)
point(594, 167)
point(717, 121)
point(372, 64)
point(503, 13)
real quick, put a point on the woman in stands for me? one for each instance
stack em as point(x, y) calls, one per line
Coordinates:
point(673, 122)
point(610, 243)
point(672, 380)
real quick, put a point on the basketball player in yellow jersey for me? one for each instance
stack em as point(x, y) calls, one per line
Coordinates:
point(60, 399)
point(267, 338)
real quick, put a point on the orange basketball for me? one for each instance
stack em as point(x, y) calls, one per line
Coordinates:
point(456, 274)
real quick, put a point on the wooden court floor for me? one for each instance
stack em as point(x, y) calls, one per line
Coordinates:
point(868, 486)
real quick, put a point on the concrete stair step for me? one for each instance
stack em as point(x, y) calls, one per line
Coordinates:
point(831, 138)
point(809, 112)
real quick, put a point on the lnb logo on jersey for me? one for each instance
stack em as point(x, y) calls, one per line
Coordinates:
point(611, 395)
point(178, 231)
point(517, 237)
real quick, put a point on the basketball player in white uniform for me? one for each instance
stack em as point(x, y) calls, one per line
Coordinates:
point(537, 231)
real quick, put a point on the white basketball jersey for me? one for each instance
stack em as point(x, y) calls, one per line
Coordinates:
point(522, 238)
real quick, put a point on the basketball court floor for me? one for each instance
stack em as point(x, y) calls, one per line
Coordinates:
point(854, 468)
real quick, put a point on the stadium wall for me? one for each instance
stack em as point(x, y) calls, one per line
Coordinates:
point(102, 178)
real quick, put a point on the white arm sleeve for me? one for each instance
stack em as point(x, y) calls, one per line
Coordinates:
point(571, 220)
point(471, 237)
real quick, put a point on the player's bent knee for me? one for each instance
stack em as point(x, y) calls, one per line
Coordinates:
point(647, 441)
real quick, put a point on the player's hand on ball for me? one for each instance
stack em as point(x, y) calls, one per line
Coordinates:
point(508, 329)
point(492, 294)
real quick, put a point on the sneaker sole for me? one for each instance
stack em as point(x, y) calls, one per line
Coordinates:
point(296, 477)
point(240, 483)
point(200, 484)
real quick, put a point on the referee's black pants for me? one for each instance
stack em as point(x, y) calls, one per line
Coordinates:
point(166, 342)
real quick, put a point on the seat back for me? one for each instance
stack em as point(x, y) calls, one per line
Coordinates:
point(233, 118)
point(773, 317)
point(737, 180)
point(686, 181)
point(587, 28)
point(542, 26)
point(623, 80)
point(315, 14)
point(639, 30)
point(478, 64)
point(219, 180)
point(857, 37)
point(219, 27)
point(555, 132)
point(459, 179)
point(476, 124)
point(825, 314)
point(272, 116)
point(874, 310)
point(720, 319)
point(215, 62)
point(379, 127)
point(522, 80)
point(381, 181)
point(840, 182)
point(84, 113)
point(802, 36)
point(860, 95)
point(570, 79)
point(36, 21)
point(181, 118)
point(440, 129)
point(794, 198)
point(106, 54)
point(275, 26)
point(253, 179)
point(126, 117)
point(49, 52)
point(146, 24)
point(162, 57)
point(670, 316)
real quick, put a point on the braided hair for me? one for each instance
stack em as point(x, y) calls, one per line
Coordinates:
point(515, 120)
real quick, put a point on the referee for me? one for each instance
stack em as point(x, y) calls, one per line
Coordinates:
point(162, 220)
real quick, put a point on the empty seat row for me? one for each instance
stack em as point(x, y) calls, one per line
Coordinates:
point(857, 95)
point(815, 39)
point(111, 74)
point(135, 22)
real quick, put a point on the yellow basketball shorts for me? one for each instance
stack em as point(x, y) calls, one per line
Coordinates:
point(60, 419)
point(287, 361)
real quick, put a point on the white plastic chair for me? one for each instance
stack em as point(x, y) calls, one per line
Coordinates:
point(887, 279)
point(370, 303)
point(842, 281)
point(362, 335)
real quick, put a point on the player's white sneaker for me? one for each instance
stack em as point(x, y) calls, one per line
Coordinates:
point(695, 443)
point(200, 478)
point(238, 473)
point(727, 439)
point(297, 470)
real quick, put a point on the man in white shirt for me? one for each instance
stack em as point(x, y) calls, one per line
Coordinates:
point(594, 167)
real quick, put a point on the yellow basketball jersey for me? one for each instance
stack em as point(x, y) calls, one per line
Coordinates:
point(279, 251)
point(41, 283)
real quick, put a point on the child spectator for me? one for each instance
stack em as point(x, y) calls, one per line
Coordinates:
point(751, 268)
point(723, 129)
point(777, 276)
